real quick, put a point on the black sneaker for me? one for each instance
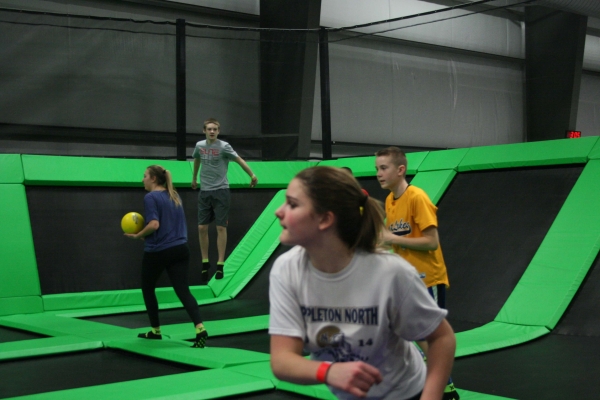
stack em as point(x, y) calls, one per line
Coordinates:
point(150, 335)
point(450, 393)
point(204, 273)
point(219, 273)
point(200, 340)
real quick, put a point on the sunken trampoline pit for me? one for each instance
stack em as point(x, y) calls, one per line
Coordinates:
point(519, 228)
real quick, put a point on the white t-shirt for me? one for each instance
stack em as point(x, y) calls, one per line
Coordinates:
point(370, 311)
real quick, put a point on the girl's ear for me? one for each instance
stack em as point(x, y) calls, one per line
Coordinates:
point(326, 220)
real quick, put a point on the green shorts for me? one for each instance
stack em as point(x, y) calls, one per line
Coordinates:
point(213, 205)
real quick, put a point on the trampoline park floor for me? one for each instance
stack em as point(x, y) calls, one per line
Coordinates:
point(111, 362)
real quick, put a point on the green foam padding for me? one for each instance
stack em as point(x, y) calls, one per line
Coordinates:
point(495, 335)
point(46, 346)
point(18, 269)
point(468, 395)
point(92, 171)
point(263, 370)
point(220, 327)
point(257, 258)
point(365, 166)
point(182, 352)
point(562, 260)
point(21, 305)
point(12, 170)
point(244, 255)
point(434, 183)
point(117, 298)
point(595, 152)
point(443, 159)
point(551, 152)
point(52, 325)
point(209, 384)
point(270, 174)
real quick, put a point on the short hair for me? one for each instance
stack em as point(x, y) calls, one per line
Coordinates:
point(211, 121)
point(396, 154)
point(359, 218)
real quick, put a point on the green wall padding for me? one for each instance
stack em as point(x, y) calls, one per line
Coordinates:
point(365, 166)
point(199, 385)
point(116, 298)
point(442, 159)
point(551, 152)
point(12, 170)
point(91, 171)
point(563, 259)
point(495, 335)
point(182, 352)
point(270, 174)
point(237, 264)
point(21, 305)
point(595, 152)
point(18, 269)
point(46, 346)
point(434, 183)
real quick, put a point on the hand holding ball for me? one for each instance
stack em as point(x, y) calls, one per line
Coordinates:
point(132, 223)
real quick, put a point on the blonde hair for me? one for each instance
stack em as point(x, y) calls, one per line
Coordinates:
point(164, 178)
point(211, 121)
point(359, 217)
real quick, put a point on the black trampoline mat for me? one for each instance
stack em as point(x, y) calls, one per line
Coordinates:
point(268, 395)
point(15, 335)
point(491, 224)
point(82, 369)
point(252, 301)
point(72, 257)
point(258, 341)
point(553, 367)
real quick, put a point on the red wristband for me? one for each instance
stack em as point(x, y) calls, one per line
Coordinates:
point(322, 371)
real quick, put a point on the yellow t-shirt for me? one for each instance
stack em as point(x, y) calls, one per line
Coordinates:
point(409, 216)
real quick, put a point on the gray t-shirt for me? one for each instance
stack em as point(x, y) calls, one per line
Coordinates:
point(370, 311)
point(214, 161)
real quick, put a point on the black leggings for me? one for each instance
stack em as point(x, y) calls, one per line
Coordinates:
point(176, 261)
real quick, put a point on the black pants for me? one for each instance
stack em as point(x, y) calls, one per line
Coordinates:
point(176, 261)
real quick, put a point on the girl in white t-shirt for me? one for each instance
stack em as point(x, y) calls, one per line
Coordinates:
point(355, 310)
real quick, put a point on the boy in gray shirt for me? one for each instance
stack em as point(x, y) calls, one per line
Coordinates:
point(214, 197)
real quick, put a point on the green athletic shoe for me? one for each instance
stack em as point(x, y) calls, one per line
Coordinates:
point(450, 392)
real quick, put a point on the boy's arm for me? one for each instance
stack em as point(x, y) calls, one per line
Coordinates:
point(245, 167)
point(429, 241)
point(195, 175)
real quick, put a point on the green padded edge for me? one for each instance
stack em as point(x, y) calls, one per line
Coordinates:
point(270, 174)
point(365, 166)
point(468, 395)
point(90, 312)
point(91, 171)
point(255, 260)
point(220, 327)
point(263, 370)
point(51, 325)
point(181, 351)
point(551, 152)
point(21, 305)
point(18, 273)
point(12, 170)
point(443, 159)
point(46, 346)
point(595, 152)
point(245, 249)
point(495, 335)
point(209, 384)
point(116, 298)
point(434, 183)
point(563, 259)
